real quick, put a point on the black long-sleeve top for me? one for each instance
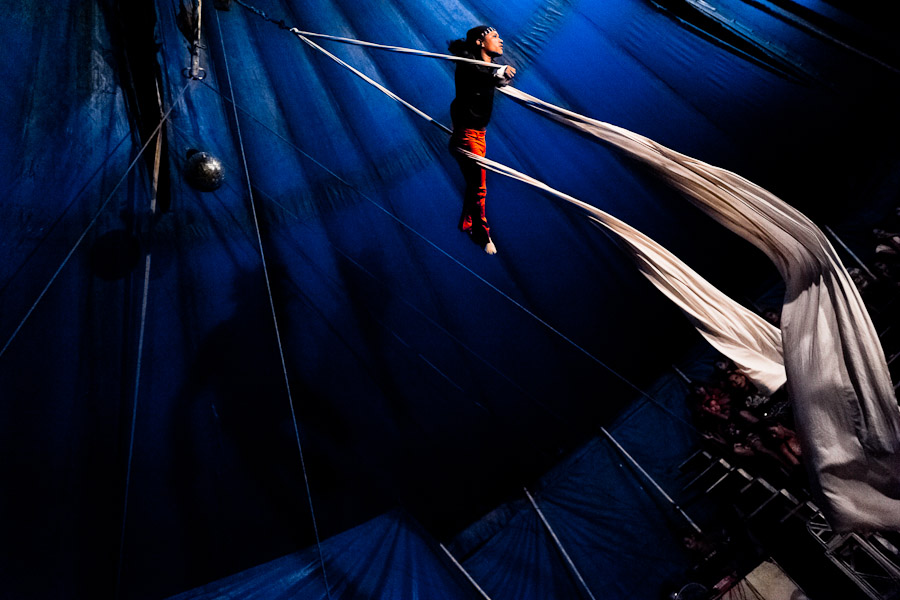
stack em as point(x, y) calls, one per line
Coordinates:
point(474, 102)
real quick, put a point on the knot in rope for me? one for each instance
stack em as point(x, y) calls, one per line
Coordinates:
point(280, 23)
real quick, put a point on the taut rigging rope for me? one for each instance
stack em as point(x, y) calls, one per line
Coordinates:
point(484, 162)
point(93, 222)
point(262, 253)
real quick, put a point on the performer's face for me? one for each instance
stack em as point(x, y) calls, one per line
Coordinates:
point(492, 44)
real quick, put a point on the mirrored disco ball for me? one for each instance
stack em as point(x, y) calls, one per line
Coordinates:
point(204, 171)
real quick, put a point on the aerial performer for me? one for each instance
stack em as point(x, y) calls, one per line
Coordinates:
point(827, 350)
point(470, 112)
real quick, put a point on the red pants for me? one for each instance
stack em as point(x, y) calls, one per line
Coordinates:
point(472, 219)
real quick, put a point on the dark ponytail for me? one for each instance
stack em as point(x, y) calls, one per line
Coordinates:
point(468, 47)
point(459, 47)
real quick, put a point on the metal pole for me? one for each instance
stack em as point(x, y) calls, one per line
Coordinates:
point(559, 545)
point(466, 573)
point(684, 377)
point(650, 479)
point(850, 252)
point(196, 72)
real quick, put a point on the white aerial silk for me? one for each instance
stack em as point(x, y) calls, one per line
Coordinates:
point(844, 405)
point(751, 342)
point(845, 409)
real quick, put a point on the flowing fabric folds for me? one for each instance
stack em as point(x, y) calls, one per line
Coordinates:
point(751, 342)
point(837, 377)
point(745, 337)
point(827, 351)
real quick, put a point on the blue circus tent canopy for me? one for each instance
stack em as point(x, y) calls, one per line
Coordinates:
point(361, 563)
point(153, 411)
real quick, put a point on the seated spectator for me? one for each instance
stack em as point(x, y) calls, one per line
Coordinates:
point(748, 403)
point(710, 403)
point(886, 251)
point(738, 385)
point(889, 274)
point(786, 442)
point(773, 316)
point(859, 279)
point(773, 460)
point(722, 368)
point(891, 241)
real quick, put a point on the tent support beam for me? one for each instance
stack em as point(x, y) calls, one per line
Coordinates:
point(466, 573)
point(559, 545)
point(637, 466)
point(196, 72)
point(851, 253)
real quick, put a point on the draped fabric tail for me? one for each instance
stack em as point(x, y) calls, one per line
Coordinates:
point(752, 343)
point(837, 377)
point(749, 340)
